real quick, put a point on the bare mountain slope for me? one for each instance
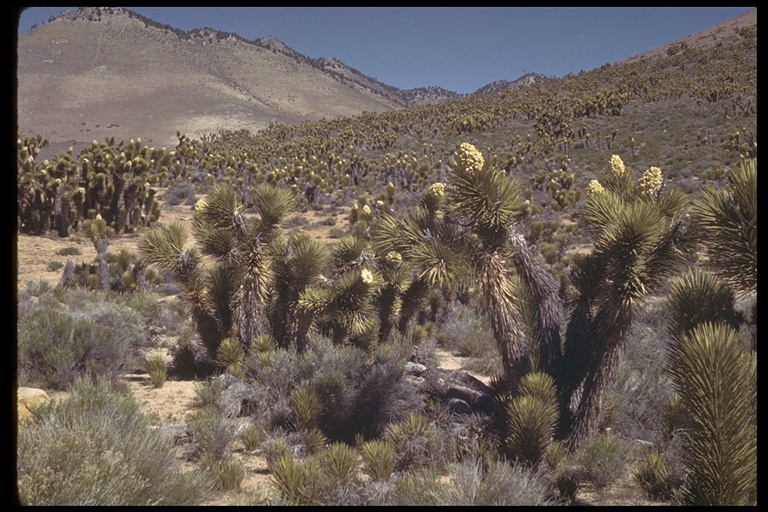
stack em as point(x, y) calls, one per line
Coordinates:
point(89, 74)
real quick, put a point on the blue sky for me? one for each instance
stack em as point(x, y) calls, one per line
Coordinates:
point(458, 48)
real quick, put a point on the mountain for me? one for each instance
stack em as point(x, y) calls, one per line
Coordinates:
point(500, 85)
point(92, 73)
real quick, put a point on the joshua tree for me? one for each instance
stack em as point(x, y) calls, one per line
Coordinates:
point(642, 238)
point(296, 266)
point(229, 297)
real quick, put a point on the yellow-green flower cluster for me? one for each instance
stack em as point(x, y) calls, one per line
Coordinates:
point(469, 158)
point(594, 187)
point(616, 165)
point(650, 183)
point(366, 276)
point(394, 258)
point(200, 205)
point(437, 189)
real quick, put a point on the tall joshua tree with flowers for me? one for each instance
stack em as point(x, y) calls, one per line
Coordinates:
point(641, 238)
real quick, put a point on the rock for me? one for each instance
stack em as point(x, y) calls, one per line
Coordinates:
point(415, 368)
point(237, 397)
point(457, 384)
point(28, 398)
point(180, 434)
point(458, 406)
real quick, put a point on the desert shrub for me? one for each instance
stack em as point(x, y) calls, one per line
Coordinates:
point(184, 356)
point(467, 332)
point(412, 441)
point(602, 460)
point(495, 483)
point(95, 448)
point(157, 370)
point(69, 251)
point(180, 191)
point(209, 393)
point(54, 266)
point(336, 233)
point(420, 488)
point(227, 475)
point(252, 437)
point(37, 288)
point(359, 393)
point(275, 448)
point(659, 478)
point(55, 348)
point(215, 435)
point(640, 390)
point(296, 221)
point(330, 221)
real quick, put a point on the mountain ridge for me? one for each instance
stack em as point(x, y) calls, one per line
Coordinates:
point(80, 78)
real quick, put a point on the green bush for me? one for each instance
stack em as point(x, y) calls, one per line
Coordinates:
point(215, 435)
point(55, 348)
point(252, 437)
point(54, 266)
point(378, 459)
point(657, 477)
point(602, 460)
point(157, 370)
point(95, 448)
point(69, 251)
point(228, 475)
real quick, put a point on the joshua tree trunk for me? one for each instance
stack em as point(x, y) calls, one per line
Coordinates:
point(499, 298)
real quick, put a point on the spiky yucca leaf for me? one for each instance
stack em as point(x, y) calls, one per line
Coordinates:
point(602, 209)
point(339, 462)
point(165, 247)
point(214, 241)
point(290, 479)
point(348, 253)
point(673, 202)
point(530, 426)
point(627, 244)
point(219, 208)
point(716, 379)
point(273, 204)
point(488, 198)
point(307, 407)
point(697, 296)
point(296, 264)
point(231, 356)
point(264, 342)
point(730, 219)
point(434, 249)
point(378, 459)
point(220, 284)
point(539, 385)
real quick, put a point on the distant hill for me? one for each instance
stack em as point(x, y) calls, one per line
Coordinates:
point(91, 73)
point(96, 72)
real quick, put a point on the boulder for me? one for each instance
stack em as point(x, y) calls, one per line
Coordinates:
point(26, 399)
